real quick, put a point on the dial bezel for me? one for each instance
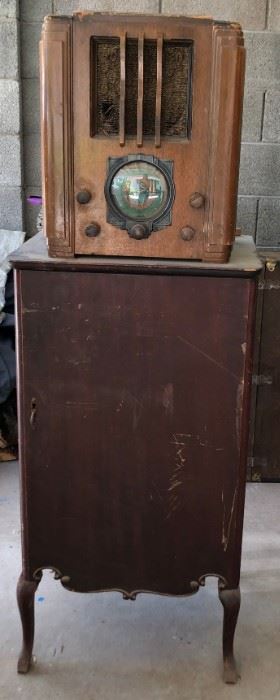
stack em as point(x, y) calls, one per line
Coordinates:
point(122, 221)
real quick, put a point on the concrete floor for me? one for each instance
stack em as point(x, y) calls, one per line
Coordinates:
point(99, 647)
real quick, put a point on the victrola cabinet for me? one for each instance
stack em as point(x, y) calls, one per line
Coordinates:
point(134, 388)
point(141, 125)
point(134, 332)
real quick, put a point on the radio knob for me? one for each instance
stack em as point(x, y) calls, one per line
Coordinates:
point(187, 233)
point(92, 230)
point(197, 200)
point(83, 197)
point(138, 231)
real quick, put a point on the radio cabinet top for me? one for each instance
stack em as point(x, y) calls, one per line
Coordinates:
point(141, 120)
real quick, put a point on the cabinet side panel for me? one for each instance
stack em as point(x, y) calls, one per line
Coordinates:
point(21, 428)
point(56, 135)
point(266, 444)
point(225, 129)
point(243, 419)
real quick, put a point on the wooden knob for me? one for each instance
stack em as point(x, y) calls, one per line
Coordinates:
point(197, 200)
point(92, 230)
point(138, 231)
point(83, 197)
point(187, 233)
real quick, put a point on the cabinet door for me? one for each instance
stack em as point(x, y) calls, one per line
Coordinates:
point(133, 427)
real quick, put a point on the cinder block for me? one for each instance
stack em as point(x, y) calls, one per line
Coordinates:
point(252, 114)
point(9, 49)
point(268, 228)
point(30, 37)
point(65, 7)
point(271, 124)
point(33, 11)
point(31, 105)
point(250, 14)
point(9, 8)
point(145, 6)
point(10, 161)
point(260, 169)
point(31, 160)
point(263, 58)
point(247, 215)
point(274, 15)
point(9, 107)
point(11, 208)
point(31, 212)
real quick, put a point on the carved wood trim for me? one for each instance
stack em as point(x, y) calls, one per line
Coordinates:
point(57, 135)
point(225, 129)
point(67, 581)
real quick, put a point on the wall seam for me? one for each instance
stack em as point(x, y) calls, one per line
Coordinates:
point(263, 114)
point(267, 12)
point(257, 219)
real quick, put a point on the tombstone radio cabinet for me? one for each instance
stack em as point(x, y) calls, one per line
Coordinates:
point(134, 384)
point(141, 120)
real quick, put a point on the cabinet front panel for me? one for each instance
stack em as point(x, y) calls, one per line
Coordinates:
point(132, 404)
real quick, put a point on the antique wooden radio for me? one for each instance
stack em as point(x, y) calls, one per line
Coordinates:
point(141, 121)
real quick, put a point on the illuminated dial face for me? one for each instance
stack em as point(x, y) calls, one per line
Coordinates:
point(139, 190)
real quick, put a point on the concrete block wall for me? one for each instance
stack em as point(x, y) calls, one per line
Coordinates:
point(259, 187)
point(10, 118)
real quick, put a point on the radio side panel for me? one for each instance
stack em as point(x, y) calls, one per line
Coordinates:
point(228, 70)
point(57, 134)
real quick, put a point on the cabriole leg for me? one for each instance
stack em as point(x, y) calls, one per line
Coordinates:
point(25, 597)
point(231, 604)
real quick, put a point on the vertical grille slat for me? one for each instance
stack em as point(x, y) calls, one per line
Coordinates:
point(140, 90)
point(158, 90)
point(141, 87)
point(122, 88)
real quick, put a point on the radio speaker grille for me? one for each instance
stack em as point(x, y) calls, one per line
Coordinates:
point(175, 120)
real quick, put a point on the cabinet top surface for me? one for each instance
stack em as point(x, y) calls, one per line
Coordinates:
point(33, 254)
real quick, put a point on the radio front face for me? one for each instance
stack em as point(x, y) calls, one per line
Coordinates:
point(139, 135)
point(141, 142)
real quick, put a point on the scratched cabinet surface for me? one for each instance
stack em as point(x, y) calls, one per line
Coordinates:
point(133, 423)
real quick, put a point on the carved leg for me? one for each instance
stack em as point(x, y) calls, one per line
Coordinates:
point(25, 598)
point(231, 604)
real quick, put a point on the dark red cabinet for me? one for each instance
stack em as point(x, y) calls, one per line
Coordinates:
point(134, 387)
